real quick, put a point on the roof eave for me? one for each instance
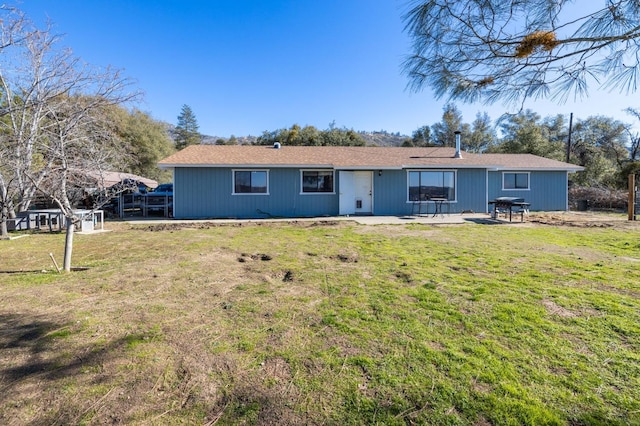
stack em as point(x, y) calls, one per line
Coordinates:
point(245, 166)
point(539, 169)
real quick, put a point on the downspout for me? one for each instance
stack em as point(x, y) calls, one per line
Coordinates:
point(173, 201)
point(567, 181)
point(486, 190)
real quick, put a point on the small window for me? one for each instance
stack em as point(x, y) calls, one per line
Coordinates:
point(250, 182)
point(515, 181)
point(314, 181)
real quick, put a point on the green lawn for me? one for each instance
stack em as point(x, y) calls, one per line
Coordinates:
point(335, 323)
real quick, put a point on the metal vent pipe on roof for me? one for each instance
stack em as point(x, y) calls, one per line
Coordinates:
point(276, 145)
point(458, 153)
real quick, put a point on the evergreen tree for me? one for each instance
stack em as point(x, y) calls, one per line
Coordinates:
point(443, 133)
point(187, 128)
point(482, 135)
point(525, 132)
point(420, 137)
point(513, 50)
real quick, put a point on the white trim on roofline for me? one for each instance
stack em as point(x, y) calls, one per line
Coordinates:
point(365, 168)
point(491, 168)
point(537, 169)
point(447, 166)
point(248, 166)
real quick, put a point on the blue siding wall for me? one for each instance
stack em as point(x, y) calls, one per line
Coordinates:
point(207, 193)
point(548, 191)
point(472, 190)
point(391, 193)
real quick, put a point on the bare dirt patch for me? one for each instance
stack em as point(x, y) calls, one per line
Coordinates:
point(198, 224)
point(555, 309)
point(346, 257)
point(583, 219)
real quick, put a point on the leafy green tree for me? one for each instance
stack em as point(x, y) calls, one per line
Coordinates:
point(311, 136)
point(421, 137)
point(268, 137)
point(632, 167)
point(187, 128)
point(443, 133)
point(341, 137)
point(634, 137)
point(557, 129)
point(599, 145)
point(149, 142)
point(482, 134)
point(512, 50)
point(526, 133)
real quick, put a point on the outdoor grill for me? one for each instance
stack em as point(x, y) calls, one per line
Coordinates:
point(510, 204)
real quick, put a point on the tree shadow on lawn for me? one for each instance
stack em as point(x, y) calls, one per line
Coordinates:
point(47, 377)
point(31, 356)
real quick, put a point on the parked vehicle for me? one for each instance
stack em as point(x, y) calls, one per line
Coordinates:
point(164, 188)
point(159, 201)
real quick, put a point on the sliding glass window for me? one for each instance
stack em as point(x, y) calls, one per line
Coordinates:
point(426, 185)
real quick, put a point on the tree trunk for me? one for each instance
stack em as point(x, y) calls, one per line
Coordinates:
point(4, 233)
point(68, 243)
point(4, 215)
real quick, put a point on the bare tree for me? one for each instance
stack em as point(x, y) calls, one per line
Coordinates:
point(513, 50)
point(32, 73)
point(12, 31)
point(78, 146)
point(53, 133)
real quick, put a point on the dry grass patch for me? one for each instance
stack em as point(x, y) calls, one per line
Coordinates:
point(329, 323)
point(555, 309)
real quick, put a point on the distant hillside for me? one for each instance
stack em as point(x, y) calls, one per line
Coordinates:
point(381, 138)
point(239, 140)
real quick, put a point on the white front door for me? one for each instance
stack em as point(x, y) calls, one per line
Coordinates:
point(356, 192)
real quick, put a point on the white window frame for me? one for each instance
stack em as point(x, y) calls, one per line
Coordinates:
point(455, 184)
point(333, 173)
point(528, 188)
point(233, 181)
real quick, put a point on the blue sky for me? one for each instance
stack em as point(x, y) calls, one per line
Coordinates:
point(246, 66)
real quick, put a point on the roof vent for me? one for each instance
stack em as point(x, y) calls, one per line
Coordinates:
point(458, 153)
point(276, 145)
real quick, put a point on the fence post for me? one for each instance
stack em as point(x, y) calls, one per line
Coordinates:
point(632, 196)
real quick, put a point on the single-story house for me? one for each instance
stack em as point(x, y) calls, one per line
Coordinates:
point(241, 181)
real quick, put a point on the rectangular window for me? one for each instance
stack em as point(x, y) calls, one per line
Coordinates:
point(425, 185)
point(512, 180)
point(317, 181)
point(250, 182)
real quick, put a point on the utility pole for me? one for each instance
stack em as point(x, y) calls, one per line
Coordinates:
point(632, 204)
point(569, 138)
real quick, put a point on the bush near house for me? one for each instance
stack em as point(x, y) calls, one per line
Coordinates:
point(598, 198)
